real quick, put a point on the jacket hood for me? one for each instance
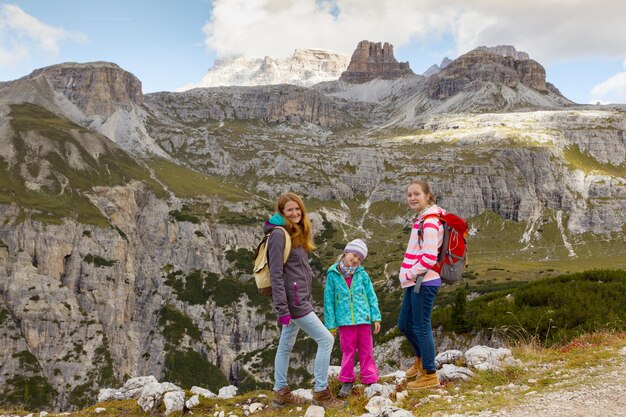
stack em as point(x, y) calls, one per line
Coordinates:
point(434, 209)
point(275, 220)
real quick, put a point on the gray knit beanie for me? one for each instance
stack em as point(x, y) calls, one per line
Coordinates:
point(358, 247)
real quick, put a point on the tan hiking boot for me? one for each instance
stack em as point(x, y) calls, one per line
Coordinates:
point(284, 397)
point(325, 399)
point(424, 381)
point(415, 369)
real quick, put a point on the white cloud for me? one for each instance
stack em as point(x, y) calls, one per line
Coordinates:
point(277, 27)
point(22, 35)
point(549, 30)
point(612, 90)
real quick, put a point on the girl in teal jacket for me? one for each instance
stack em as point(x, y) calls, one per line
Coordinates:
point(351, 306)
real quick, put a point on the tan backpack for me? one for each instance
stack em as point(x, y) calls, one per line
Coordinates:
point(261, 266)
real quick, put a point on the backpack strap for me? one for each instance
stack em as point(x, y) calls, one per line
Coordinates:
point(420, 229)
point(441, 252)
point(287, 243)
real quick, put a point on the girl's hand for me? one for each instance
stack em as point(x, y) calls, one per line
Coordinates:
point(285, 321)
point(376, 327)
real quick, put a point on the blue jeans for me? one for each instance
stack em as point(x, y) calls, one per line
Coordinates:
point(316, 330)
point(414, 323)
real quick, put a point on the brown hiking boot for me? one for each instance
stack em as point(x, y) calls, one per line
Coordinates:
point(284, 397)
point(325, 399)
point(424, 381)
point(415, 369)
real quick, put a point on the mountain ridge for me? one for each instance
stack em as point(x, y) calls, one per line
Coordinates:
point(304, 68)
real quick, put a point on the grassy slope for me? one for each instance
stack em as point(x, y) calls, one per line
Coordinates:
point(50, 204)
point(187, 183)
point(41, 137)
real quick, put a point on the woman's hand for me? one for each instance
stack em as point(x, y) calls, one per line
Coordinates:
point(285, 321)
point(376, 327)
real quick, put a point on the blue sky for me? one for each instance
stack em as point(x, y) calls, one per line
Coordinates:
point(168, 44)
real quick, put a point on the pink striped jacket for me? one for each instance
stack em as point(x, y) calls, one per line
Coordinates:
point(421, 259)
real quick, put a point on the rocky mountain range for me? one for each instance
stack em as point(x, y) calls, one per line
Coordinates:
point(127, 220)
point(304, 68)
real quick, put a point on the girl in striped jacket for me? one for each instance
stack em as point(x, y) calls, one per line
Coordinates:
point(421, 283)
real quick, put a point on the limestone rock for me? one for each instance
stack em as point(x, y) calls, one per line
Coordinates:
point(153, 394)
point(202, 391)
point(374, 60)
point(307, 394)
point(450, 372)
point(315, 411)
point(376, 404)
point(270, 104)
point(193, 401)
point(505, 50)
point(227, 392)
point(470, 70)
point(96, 88)
point(485, 358)
point(449, 356)
point(174, 401)
point(304, 68)
point(379, 390)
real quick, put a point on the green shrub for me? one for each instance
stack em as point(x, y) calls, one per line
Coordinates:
point(4, 315)
point(243, 259)
point(199, 286)
point(190, 368)
point(98, 260)
point(238, 219)
point(182, 216)
point(193, 288)
point(176, 325)
point(327, 232)
point(553, 310)
point(28, 361)
point(247, 383)
point(29, 392)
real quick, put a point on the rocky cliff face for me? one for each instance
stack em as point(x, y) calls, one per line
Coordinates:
point(89, 301)
point(484, 66)
point(96, 88)
point(269, 104)
point(374, 60)
point(304, 68)
point(505, 50)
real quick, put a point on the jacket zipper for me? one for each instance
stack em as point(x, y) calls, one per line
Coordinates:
point(351, 306)
point(295, 293)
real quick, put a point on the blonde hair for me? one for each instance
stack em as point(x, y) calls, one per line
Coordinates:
point(425, 189)
point(300, 232)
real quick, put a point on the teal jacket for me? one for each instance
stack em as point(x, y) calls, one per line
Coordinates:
point(345, 306)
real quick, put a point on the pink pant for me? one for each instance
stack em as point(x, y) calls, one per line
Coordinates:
point(351, 339)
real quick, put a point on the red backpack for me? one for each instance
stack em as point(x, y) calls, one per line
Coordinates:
point(452, 256)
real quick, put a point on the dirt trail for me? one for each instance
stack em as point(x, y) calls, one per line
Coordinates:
point(598, 391)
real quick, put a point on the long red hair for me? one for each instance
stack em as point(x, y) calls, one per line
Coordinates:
point(300, 232)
